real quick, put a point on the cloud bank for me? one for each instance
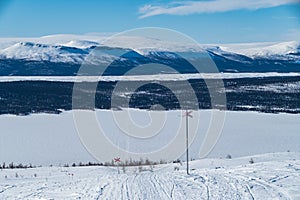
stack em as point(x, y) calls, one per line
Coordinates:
point(209, 6)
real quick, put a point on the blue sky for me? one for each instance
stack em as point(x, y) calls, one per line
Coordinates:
point(209, 21)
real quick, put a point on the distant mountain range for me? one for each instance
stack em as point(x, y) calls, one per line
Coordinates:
point(62, 55)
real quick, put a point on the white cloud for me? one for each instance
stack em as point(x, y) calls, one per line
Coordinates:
point(211, 6)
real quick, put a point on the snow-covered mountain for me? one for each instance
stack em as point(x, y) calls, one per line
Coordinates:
point(63, 54)
point(282, 50)
point(75, 47)
point(44, 52)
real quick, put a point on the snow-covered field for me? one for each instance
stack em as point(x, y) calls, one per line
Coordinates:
point(52, 139)
point(157, 77)
point(271, 176)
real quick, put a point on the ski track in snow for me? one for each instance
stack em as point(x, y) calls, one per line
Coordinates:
point(262, 180)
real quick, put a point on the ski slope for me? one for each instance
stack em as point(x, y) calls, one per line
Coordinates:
point(272, 176)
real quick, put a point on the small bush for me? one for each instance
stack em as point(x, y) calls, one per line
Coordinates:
point(251, 161)
point(140, 168)
point(66, 165)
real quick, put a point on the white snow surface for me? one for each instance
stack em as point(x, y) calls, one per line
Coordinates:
point(271, 176)
point(52, 139)
point(157, 77)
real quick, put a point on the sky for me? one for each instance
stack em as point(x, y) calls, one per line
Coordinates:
point(207, 21)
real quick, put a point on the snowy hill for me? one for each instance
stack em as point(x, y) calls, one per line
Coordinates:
point(46, 55)
point(283, 50)
point(43, 52)
point(271, 176)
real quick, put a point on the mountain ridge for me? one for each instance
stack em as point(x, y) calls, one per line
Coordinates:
point(62, 55)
